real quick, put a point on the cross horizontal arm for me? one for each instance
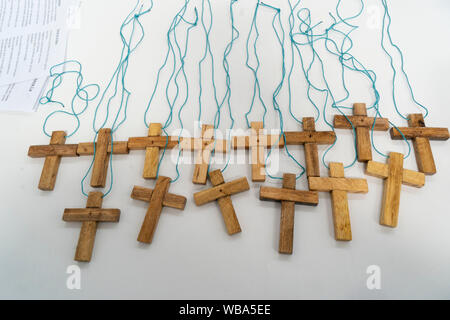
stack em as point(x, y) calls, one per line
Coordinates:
point(297, 196)
point(170, 200)
point(141, 143)
point(220, 191)
point(381, 170)
point(318, 137)
point(342, 184)
point(341, 122)
point(87, 148)
point(195, 144)
point(411, 133)
point(66, 150)
point(268, 141)
point(91, 214)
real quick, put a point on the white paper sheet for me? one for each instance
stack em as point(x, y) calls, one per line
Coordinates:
point(33, 37)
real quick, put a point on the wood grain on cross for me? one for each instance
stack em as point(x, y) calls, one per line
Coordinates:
point(102, 149)
point(421, 136)
point(339, 186)
point(157, 199)
point(52, 153)
point(363, 126)
point(257, 142)
point(204, 146)
point(222, 192)
point(394, 176)
point(152, 144)
point(90, 218)
point(288, 197)
point(310, 138)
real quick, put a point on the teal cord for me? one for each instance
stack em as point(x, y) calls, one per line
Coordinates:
point(294, 49)
point(254, 69)
point(227, 97)
point(181, 71)
point(175, 22)
point(345, 57)
point(347, 61)
point(207, 53)
point(184, 102)
point(307, 30)
point(81, 93)
point(120, 73)
point(174, 76)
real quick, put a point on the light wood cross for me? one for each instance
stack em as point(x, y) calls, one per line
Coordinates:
point(90, 218)
point(157, 198)
point(363, 125)
point(204, 147)
point(310, 138)
point(222, 192)
point(394, 176)
point(103, 149)
point(257, 142)
point(339, 186)
point(421, 136)
point(288, 197)
point(52, 153)
point(152, 144)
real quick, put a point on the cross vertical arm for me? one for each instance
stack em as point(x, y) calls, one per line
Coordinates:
point(286, 243)
point(88, 230)
point(363, 143)
point(154, 210)
point(152, 153)
point(100, 167)
point(203, 157)
point(422, 147)
point(51, 164)
point(341, 212)
point(311, 150)
point(392, 190)
point(257, 153)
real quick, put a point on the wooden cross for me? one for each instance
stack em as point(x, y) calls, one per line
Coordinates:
point(52, 153)
point(394, 176)
point(204, 146)
point(157, 198)
point(102, 152)
point(288, 197)
point(222, 192)
point(257, 142)
point(339, 186)
point(90, 217)
point(363, 125)
point(421, 136)
point(152, 144)
point(310, 138)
